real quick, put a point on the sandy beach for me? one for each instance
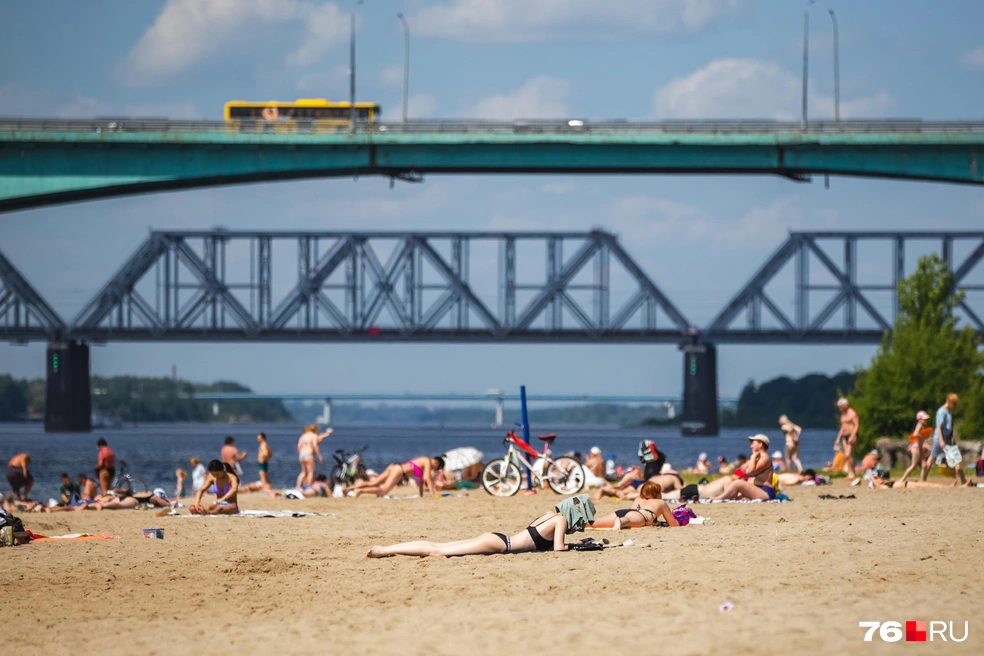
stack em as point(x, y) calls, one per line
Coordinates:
point(801, 575)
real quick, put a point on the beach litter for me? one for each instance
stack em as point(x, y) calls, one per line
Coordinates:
point(726, 606)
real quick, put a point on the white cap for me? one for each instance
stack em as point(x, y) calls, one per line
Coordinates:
point(842, 401)
point(764, 439)
point(777, 454)
point(702, 456)
point(922, 414)
point(666, 468)
point(596, 450)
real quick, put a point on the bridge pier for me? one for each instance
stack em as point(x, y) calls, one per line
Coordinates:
point(700, 407)
point(68, 401)
point(325, 418)
point(499, 412)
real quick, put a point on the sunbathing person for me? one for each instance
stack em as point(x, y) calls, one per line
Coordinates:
point(118, 500)
point(879, 483)
point(319, 489)
point(807, 477)
point(757, 480)
point(422, 468)
point(647, 510)
point(630, 481)
point(545, 533)
point(13, 505)
point(224, 484)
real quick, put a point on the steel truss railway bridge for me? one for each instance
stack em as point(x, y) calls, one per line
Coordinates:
point(471, 287)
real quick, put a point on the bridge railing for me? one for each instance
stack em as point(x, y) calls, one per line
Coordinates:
point(738, 126)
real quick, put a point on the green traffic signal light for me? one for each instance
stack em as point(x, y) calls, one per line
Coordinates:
point(54, 362)
point(693, 365)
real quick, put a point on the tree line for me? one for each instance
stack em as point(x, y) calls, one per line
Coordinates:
point(140, 399)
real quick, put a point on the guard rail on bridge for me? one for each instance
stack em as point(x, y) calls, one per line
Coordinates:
point(469, 126)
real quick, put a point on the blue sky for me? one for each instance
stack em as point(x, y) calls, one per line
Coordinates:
point(699, 238)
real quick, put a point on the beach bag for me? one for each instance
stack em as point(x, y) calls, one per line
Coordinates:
point(952, 454)
point(690, 493)
point(980, 467)
point(684, 514)
point(6, 519)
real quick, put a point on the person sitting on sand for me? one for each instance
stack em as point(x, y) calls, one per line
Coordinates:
point(422, 468)
point(88, 486)
point(668, 479)
point(545, 533)
point(319, 489)
point(69, 492)
point(224, 484)
point(757, 480)
point(648, 508)
point(724, 467)
point(703, 465)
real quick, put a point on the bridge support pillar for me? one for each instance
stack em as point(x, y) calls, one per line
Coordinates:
point(68, 401)
point(700, 408)
point(499, 412)
point(325, 418)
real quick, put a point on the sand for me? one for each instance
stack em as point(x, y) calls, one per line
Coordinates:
point(801, 575)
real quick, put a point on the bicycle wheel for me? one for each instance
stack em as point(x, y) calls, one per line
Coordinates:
point(336, 477)
point(136, 485)
point(500, 479)
point(565, 476)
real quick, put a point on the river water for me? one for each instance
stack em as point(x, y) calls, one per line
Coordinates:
point(153, 451)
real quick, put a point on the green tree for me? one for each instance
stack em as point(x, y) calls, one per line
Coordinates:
point(925, 358)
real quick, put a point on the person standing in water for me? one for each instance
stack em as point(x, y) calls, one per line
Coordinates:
point(19, 477)
point(105, 466)
point(233, 456)
point(848, 433)
point(263, 456)
point(307, 448)
point(792, 433)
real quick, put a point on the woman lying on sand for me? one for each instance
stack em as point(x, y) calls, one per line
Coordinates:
point(646, 511)
point(545, 533)
point(119, 500)
point(628, 487)
point(224, 484)
point(422, 468)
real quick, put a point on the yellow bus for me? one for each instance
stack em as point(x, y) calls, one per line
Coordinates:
point(301, 113)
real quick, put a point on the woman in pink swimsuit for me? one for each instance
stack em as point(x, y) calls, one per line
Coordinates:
point(422, 468)
point(223, 483)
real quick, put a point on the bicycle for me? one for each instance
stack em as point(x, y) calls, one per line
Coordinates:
point(502, 477)
point(349, 469)
point(124, 481)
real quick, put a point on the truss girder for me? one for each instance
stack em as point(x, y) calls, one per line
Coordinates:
point(419, 292)
point(848, 295)
point(24, 314)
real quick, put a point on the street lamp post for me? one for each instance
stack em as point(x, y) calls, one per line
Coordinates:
point(806, 61)
point(837, 113)
point(352, 68)
point(352, 74)
point(406, 62)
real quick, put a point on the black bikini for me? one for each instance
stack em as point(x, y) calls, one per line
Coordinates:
point(540, 543)
point(625, 511)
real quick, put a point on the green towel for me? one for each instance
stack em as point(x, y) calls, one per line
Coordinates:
point(579, 512)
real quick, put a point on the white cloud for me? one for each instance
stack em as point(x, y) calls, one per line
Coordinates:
point(559, 188)
point(550, 20)
point(421, 105)
point(974, 58)
point(392, 76)
point(188, 31)
point(331, 83)
point(750, 88)
point(539, 98)
point(88, 107)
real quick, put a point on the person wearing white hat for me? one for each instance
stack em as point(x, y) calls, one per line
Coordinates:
point(792, 433)
point(754, 481)
point(703, 465)
point(917, 442)
point(595, 464)
point(778, 464)
point(848, 433)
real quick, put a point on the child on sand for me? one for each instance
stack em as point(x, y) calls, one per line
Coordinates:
point(224, 484)
point(179, 488)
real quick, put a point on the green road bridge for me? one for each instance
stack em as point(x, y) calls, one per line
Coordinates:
point(45, 162)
